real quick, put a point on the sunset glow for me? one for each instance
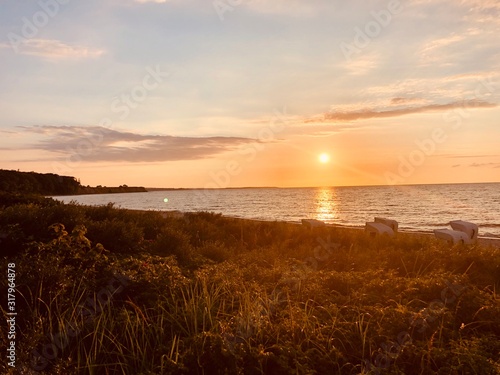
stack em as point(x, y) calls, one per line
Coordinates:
point(185, 94)
point(324, 158)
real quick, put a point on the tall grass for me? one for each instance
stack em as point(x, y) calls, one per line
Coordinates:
point(207, 294)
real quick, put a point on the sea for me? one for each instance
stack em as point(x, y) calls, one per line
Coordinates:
point(420, 208)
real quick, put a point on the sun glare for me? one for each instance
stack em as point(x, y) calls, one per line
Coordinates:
point(324, 158)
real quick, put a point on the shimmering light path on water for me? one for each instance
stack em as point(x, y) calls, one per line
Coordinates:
point(418, 207)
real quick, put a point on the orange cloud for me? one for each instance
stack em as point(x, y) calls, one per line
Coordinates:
point(370, 113)
point(55, 49)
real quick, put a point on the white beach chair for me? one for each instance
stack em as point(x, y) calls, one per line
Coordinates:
point(375, 229)
point(452, 236)
point(393, 224)
point(470, 229)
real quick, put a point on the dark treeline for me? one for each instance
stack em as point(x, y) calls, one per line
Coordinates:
point(111, 190)
point(53, 184)
point(37, 183)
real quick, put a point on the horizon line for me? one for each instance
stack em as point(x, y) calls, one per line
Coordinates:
point(316, 187)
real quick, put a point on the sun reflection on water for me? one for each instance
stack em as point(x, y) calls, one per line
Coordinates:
point(326, 205)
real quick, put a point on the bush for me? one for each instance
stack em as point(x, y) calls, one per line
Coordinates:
point(174, 242)
point(264, 307)
point(215, 251)
point(116, 235)
point(10, 199)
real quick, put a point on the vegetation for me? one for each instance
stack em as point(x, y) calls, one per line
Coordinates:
point(111, 190)
point(16, 182)
point(102, 290)
point(37, 183)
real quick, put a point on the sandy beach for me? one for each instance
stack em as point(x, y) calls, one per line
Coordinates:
point(482, 240)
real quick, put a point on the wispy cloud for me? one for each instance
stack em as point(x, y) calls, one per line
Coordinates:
point(318, 129)
point(490, 165)
point(431, 89)
point(483, 11)
point(363, 64)
point(448, 50)
point(406, 101)
point(97, 143)
point(367, 113)
point(471, 156)
point(442, 42)
point(55, 49)
point(480, 85)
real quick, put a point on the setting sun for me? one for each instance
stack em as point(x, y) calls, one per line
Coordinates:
point(324, 158)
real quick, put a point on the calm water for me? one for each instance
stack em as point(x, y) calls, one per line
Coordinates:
point(417, 207)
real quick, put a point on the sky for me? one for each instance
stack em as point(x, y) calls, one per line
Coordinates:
point(233, 93)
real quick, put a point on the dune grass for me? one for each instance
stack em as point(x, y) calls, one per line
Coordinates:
point(109, 291)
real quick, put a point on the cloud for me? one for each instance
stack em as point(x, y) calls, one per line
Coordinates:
point(441, 43)
point(475, 77)
point(477, 11)
point(96, 143)
point(492, 165)
point(449, 50)
point(363, 114)
point(471, 156)
point(404, 101)
point(479, 85)
point(482, 11)
point(54, 49)
point(363, 64)
point(324, 130)
point(477, 164)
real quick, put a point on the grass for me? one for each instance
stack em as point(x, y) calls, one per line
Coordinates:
point(108, 291)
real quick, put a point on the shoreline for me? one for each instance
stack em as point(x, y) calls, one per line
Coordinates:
point(482, 240)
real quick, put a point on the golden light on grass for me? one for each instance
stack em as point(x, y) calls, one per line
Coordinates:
point(324, 158)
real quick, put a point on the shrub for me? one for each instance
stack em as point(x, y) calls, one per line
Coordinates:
point(215, 251)
point(172, 241)
point(116, 235)
point(10, 199)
